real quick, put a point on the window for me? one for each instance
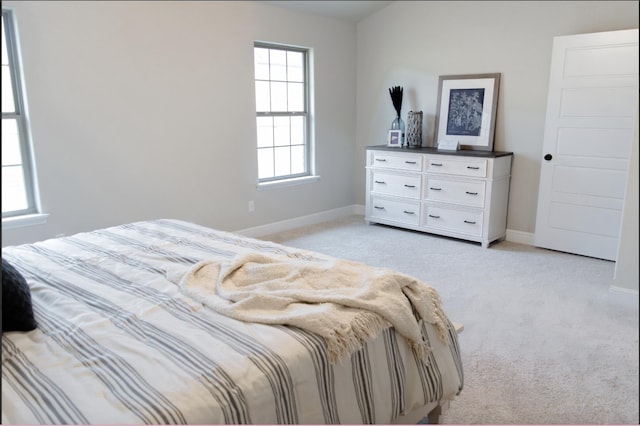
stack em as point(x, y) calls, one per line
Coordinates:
point(282, 112)
point(18, 198)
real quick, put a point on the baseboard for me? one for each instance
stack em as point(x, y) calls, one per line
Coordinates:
point(520, 237)
point(297, 222)
point(354, 209)
point(358, 209)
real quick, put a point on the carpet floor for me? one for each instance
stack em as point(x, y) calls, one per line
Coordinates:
point(545, 340)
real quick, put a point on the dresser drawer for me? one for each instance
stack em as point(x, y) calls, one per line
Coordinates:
point(394, 184)
point(398, 211)
point(456, 192)
point(458, 221)
point(456, 167)
point(408, 162)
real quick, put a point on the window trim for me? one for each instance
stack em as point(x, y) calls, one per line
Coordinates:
point(297, 178)
point(14, 222)
point(283, 183)
point(20, 115)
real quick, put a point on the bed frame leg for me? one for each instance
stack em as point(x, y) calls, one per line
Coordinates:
point(434, 415)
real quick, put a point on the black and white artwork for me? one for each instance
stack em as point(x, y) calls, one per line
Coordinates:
point(465, 112)
point(467, 106)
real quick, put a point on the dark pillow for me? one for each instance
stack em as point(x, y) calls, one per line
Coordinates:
point(17, 312)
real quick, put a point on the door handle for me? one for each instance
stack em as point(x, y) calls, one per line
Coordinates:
point(548, 157)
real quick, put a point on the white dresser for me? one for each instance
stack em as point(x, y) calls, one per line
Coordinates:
point(461, 194)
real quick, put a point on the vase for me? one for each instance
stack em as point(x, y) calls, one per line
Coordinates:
point(398, 124)
point(414, 129)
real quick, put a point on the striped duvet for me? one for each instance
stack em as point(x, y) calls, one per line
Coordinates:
point(117, 342)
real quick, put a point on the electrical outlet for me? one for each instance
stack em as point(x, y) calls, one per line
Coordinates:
point(252, 206)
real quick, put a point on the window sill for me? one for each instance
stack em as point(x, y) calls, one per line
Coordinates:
point(287, 182)
point(26, 220)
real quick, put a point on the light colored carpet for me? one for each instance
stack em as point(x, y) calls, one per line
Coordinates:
point(545, 341)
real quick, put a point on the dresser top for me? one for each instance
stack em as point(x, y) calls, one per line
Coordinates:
point(429, 150)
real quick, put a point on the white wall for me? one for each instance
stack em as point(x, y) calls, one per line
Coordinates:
point(143, 110)
point(412, 43)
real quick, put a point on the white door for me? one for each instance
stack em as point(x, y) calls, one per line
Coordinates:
point(591, 111)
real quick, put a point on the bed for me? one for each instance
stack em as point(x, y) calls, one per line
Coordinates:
point(119, 341)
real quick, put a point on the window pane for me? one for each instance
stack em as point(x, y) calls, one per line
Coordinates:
point(7, 91)
point(278, 60)
point(13, 189)
point(263, 104)
point(297, 130)
point(282, 161)
point(261, 63)
point(5, 57)
point(278, 97)
point(11, 154)
point(295, 66)
point(265, 131)
point(265, 163)
point(297, 160)
point(296, 97)
point(8, 104)
point(281, 133)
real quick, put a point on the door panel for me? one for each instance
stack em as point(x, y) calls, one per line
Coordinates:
point(598, 102)
point(594, 142)
point(572, 217)
point(591, 113)
point(590, 182)
point(601, 60)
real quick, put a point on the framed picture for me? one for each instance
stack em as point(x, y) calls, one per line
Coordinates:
point(467, 107)
point(394, 138)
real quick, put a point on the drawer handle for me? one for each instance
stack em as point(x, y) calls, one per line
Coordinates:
point(473, 167)
point(435, 189)
point(410, 162)
point(409, 212)
point(470, 222)
point(471, 193)
point(381, 159)
point(381, 182)
point(434, 216)
point(409, 186)
point(378, 207)
point(437, 164)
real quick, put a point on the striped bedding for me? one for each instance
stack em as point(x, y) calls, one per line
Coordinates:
point(117, 342)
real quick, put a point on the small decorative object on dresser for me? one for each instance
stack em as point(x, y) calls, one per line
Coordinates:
point(460, 194)
point(446, 145)
point(414, 129)
point(467, 106)
point(396, 99)
point(394, 138)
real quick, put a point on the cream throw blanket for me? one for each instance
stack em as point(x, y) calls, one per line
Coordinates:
point(345, 302)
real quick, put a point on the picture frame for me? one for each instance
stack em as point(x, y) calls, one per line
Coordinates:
point(394, 138)
point(467, 108)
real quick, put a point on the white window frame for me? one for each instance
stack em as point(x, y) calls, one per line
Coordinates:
point(31, 214)
point(309, 167)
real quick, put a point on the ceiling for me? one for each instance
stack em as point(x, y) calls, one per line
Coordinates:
point(353, 11)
